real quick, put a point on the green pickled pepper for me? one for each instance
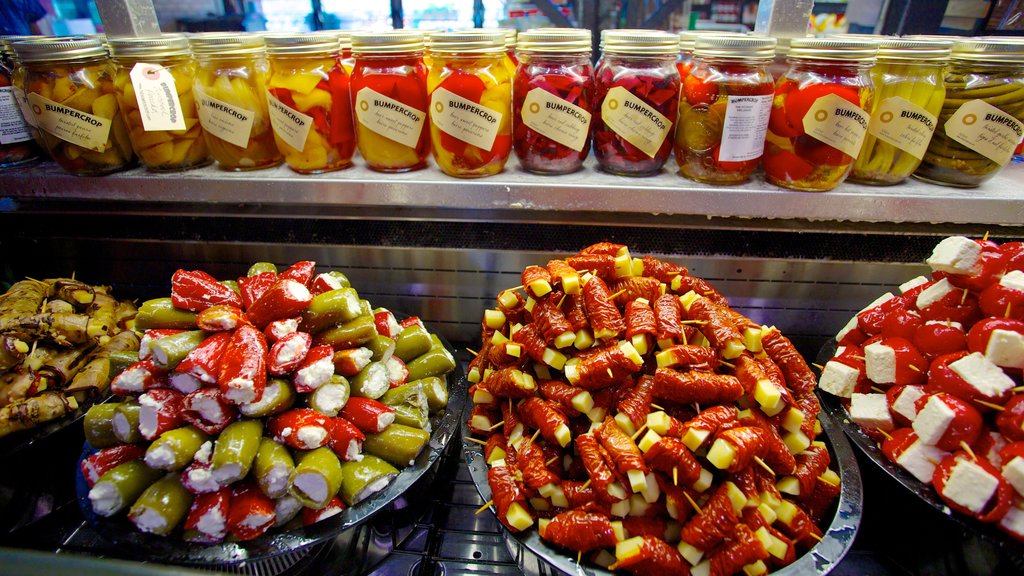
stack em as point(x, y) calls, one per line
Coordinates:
point(235, 450)
point(161, 313)
point(363, 478)
point(412, 342)
point(162, 506)
point(397, 444)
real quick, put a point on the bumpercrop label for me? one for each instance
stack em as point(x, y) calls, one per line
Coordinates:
point(837, 122)
point(157, 97)
point(635, 120)
point(69, 124)
point(985, 129)
point(555, 118)
point(12, 125)
point(389, 117)
point(229, 123)
point(464, 119)
point(289, 125)
point(744, 128)
point(903, 124)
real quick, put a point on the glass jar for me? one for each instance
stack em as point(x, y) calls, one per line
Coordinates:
point(309, 102)
point(908, 98)
point(17, 147)
point(230, 90)
point(470, 88)
point(723, 109)
point(345, 49)
point(982, 117)
point(389, 88)
point(635, 100)
point(69, 84)
point(687, 40)
point(819, 115)
point(551, 106)
point(511, 41)
point(153, 83)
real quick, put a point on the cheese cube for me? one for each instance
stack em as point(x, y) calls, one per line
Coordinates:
point(919, 459)
point(933, 420)
point(1006, 348)
point(1013, 522)
point(970, 486)
point(850, 327)
point(871, 411)
point(880, 363)
point(838, 379)
point(1013, 279)
point(913, 283)
point(1013, 471)
point(904, 402)
point(981, 374)
point(955, 255)
point(933, 294)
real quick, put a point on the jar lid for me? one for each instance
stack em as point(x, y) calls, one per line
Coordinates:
point(688, 38)
point(555, 40)
point(639, 42)
point(760, 47)
point(309, 43)
point(224, 44)
point(893, 48)
point(834, 48)
point(152, 46)
point(389, 42)
point(59, 48)
point(511, 35)
point(473, 41)
point(996, 49)
point(344, 40)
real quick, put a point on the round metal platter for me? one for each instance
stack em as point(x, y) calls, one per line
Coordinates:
point(529, 550)
point(174, 550)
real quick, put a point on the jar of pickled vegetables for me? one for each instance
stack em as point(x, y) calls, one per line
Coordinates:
point(819, 115)
point(389, 89)
point(551, 107)
point(511, 43)
point(687, 40)
point(982, 117)
point(635, 101)
point(69, 85)
point(230, 90)
point(908, 97)
point(153, 84)
point(724, 107)
point(309, 102)
point(16, 145)
point(470, 88)
point(345, 51)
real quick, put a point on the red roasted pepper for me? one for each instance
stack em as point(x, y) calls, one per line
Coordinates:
point(203, 362)
point(243, 366)
point(370, 416)
point(301, 428)
point(208, 410)
point(285, 299)
point(251, 512)
point(288, 353)
point(196, 290)
point(221, 318)
point(101, 462)
point(160, 411)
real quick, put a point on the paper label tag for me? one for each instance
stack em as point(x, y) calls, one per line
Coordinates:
point(289, 125)
point(26, 109)
point(69, 124)
point(553, 117)
point(985, 129)
point(903, 124)
point(229, 123)
point(636, 121)
point(837, 122)
point(744, 129)
point(389, 117)
point(12, 125)
point(464, 119)
point(157, 97)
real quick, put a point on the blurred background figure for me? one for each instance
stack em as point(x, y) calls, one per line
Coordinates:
point(20, 17)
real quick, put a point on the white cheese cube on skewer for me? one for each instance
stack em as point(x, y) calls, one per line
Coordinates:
point(1013, 279)
point(1005, 348)
point(970, 486)
point(871, 411)
point(904, 404)
point(919, 459)
point(933, 294)
point(955, 255)
point(1013, 471)
point(933, 420)
point(838, 379)
point(913, 283)
point(981, 374)
point(880, 363)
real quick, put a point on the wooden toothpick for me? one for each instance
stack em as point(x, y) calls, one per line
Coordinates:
point(762, 464)
point(484, 507)
point(475, 440)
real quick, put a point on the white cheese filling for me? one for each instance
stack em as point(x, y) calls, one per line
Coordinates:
point(316, 374)
point(933, 420)
point(871, 411)
point(313, 486)
point(904, 404)
point(1013, 471)
point(955, 255)
point(105, 499)
point(150, 520)
point(241, 391)
point(160, 457)
point(838, 379)
point(933, 294)
point(311, 436)
point(1005, 348)
point(213, 523)
point(184, 382)
point(1014, 280)
point(970, 486)
point(920, 460)
point(981, 374)
point(913, 283)
point(880, 363)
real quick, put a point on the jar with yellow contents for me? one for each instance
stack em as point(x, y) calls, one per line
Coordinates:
point(18, 87)
point(345, 50)
point(309, 102)
point(69, 85)
point(17, 147)
point(230, 91)
point(153, 84)
point(470, 89)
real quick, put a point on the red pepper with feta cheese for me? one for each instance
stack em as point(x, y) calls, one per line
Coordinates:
point(196, 291)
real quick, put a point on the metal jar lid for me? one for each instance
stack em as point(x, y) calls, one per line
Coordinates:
point(996, 50)
point(639, 42)
point(474, 41)
point(390, 42)
point(305, 44)
point(225, 44)
point(914, 49)
point(555, 41)
point(688, 38)
point(511, 36)
point(834, 48)
point(344, 40)
point(59, 49)
point(757, 47)
point(161, 46)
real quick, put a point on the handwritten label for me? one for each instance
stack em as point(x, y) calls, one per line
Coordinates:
point(903, 124)
point(744, 129)
point(556, 118)
point(636, 121)
point(837, 122)
point(464, 119)
point(985, 129)
point(289, 125)
point(389, 117)
point(26, 109)
point(229, 123)
point(157, 97)
point(12, 125)
point(69, 124)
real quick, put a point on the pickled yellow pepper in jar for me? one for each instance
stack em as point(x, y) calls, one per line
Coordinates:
point(909, 91)
point(69, 85)
point(153, 84)
point(17, 147)
point(230, 90)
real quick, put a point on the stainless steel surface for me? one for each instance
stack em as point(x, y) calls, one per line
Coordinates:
point(783, 18)
point(128, 17)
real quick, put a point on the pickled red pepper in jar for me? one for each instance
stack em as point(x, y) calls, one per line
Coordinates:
point(635, 101)
point(154, 84)
point(16, 144)
point(470, 89)
point(724, 107)
point(551, 106)
point(819, 115)
point(389, 94)
point(345, 49)
point(309, 102)
point(230, 90)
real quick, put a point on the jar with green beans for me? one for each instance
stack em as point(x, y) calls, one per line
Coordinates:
point(982, 117)
point(908, 78)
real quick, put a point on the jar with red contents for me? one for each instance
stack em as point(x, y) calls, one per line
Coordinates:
point(345, 49)
point(687, 40)
point(16, 144)
point(551, 105)
point(819, 116)
point(724, 107)
point(470, 88)
point(389, 92)
point(636, 95)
